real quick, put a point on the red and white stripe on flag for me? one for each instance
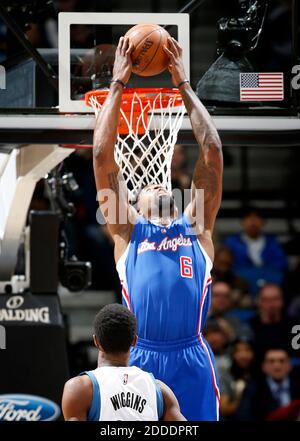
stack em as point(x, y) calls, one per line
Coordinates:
point(261, 86)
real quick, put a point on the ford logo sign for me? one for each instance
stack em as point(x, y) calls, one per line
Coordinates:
point(20, 407)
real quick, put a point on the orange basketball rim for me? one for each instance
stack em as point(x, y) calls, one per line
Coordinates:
point(136, 104)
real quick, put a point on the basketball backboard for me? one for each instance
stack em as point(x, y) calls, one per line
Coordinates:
point(95, 61)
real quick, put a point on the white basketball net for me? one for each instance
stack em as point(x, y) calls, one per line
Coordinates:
point(146, 159)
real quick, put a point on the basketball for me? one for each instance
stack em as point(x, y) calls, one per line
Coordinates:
point(148, 56)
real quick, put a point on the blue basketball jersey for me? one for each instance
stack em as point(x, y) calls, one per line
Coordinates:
point(165, 277)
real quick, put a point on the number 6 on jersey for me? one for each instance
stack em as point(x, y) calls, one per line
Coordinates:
point(186, 269)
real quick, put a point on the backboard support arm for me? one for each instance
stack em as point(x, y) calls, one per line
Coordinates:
point(20, 170)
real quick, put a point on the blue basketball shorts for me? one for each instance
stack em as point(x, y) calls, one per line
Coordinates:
point(187, 367)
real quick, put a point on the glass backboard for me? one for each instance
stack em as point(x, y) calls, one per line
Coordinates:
point(85, 68)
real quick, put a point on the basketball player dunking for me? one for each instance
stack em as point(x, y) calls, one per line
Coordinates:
point(114, 391)
point(163, 268)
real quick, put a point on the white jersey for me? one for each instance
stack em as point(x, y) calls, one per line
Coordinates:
point(124, 394)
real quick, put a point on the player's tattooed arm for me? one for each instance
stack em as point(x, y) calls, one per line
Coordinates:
point(207, 175)
point(113, 200)
point(114, 179)
point(111, 187)
point(209, 167)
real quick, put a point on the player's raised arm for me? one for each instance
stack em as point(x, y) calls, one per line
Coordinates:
point(171, 405)
point(77, 398)
point(111, 188)
point(209, 166)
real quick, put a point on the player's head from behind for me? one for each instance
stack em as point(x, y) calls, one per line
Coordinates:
point(115, 330)
point(154, 201)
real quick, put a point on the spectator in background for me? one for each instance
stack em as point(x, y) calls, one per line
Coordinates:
point(243, 361)
point(270, 325)
point(222, 271)
point(258, 257)
point(233, 383)
point(278, 386)
point(221, 304)
point(218, 339)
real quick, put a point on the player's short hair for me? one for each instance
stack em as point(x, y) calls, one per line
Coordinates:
point(115, 328)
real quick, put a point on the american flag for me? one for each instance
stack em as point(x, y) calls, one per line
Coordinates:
point(261, 86)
